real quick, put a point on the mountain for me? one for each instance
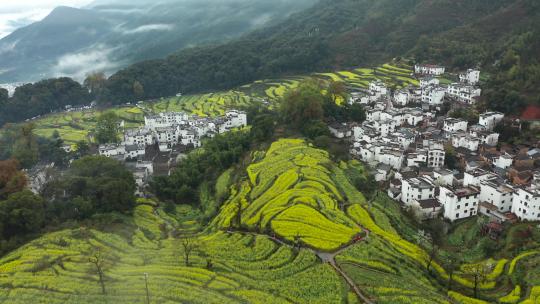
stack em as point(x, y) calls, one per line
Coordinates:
point(345, 33)
point(110, 34)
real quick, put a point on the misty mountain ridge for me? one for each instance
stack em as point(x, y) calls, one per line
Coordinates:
point(111, 34)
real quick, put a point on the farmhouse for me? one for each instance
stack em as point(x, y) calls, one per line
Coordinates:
point(497, 193)
point(429, 69)
point(526, 203)
point(459, 203)
point(471, 76)
point(417, 188)
point(433, 95)
point(490, 119)
point(452, 125)
point(463, 92)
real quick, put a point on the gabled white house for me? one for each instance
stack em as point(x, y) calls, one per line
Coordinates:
point(475, 177)
point(429, 69)
point(111, 150)
point(526, 203)
point(490, 119)
point(504, 161)
point(452, 125)
point(401, 97)
point(416, 189)
point(464, 140)
point(464, 92)
point(471, 76)
point(433, 95)
point(429, 81)
point(459, 203)
point(497, 193)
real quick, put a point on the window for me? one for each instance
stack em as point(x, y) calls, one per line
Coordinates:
point(457, 215)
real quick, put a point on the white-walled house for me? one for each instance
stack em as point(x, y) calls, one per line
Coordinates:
point(459, 203)
point(452, 125)
point(237, 119)
point(488, 138)
point(401, 97)
point(497, 193)
point(134, 151)
point(378, 88)
point(433, 95)
point(490, 119)
point(427, 209)
point(110, 150)
point(435, 157)
point(443, 177)
point(475, 177)
point(429, 69)
point(464, 92)
point(391, 157)
point(341, 130)
point(504, 161)
point(471, 76)
point(141, 137)
point(464, 140)
point(526, 203)
point(429, 81)
point(417, 189)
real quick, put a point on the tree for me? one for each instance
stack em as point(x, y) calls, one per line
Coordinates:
point(23, 212)
point(25, 147)
point(11, 178)
point(336, 90)
point(356, 112)
point(82, 148)
point(95, 83)
point(450, 158)
point(478, 272)
point(452, 263)
point(138, 90)
point(432, 255)
point(98, 260)
point(189, 244)
point(107, 128)
point(303, 105)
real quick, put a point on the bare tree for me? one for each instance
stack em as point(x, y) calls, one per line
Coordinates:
point(452, 264)
point(432, 255)
point(478, 272)
point(97, 258)
point(189, 244)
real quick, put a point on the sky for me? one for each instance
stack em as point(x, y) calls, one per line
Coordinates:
point(19, 13)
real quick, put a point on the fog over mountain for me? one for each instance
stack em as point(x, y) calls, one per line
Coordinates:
point(107, 35)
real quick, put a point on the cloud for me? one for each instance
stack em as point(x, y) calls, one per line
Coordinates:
point(20, 13)
point(150, 28)
point(8, 47)
point(78, 65)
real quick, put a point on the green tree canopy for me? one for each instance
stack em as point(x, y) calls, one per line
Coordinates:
point(107, 128)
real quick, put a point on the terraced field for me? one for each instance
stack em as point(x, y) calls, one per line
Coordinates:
point(294, 209)
point(76, 126)
point(293, 193)
point(57, 269)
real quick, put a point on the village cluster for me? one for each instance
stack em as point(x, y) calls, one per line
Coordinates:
point(163, 137)
point(405, 142)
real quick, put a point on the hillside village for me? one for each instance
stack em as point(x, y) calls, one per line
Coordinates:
point(156, 147)
point(406, 143)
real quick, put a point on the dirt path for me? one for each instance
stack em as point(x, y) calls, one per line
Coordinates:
point(325, 257)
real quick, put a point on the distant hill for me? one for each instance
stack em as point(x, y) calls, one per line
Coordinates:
point(345, 33)
point(111, 34)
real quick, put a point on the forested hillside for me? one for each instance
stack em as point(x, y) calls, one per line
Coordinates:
point(345, 33)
